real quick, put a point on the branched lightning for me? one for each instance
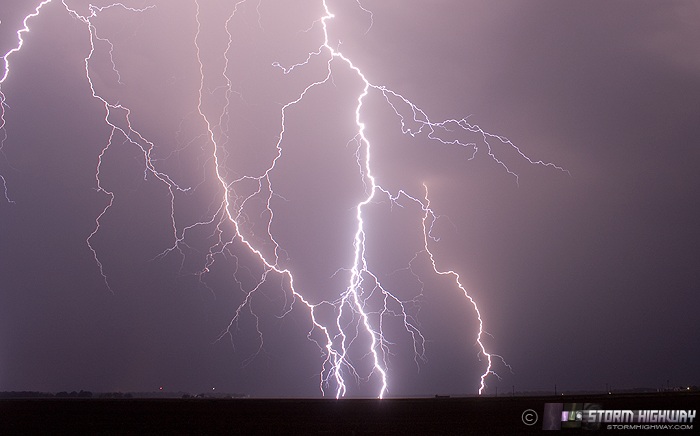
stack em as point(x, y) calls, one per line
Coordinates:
point(6, 73)
point(359, 322)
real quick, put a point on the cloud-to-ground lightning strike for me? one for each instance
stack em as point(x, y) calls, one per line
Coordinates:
point(358, 320)
point(6, 72)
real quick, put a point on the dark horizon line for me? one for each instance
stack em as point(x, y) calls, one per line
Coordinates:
point(82, 394)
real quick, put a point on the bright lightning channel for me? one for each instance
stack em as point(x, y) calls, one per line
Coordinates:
point(6, 73)
point(337, 339)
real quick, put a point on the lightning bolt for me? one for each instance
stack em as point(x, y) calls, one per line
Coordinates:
point(6, 73)
point(362, 308)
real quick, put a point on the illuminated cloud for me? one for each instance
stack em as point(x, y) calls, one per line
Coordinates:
point(296, 193)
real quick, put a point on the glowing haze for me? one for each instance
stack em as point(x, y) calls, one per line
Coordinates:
point(259, 190)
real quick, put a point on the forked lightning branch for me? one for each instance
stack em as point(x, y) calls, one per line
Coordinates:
point(359, 317)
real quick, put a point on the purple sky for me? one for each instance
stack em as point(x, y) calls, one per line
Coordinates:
point(583, 279)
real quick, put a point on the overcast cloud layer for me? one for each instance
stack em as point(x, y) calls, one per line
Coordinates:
point(584, 278)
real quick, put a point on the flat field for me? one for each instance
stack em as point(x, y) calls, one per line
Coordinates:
point(419, 416)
